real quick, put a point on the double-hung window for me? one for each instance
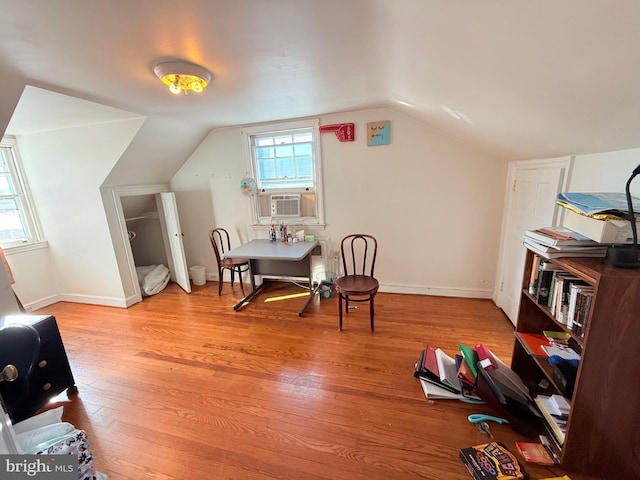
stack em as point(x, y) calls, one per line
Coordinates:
point(17, 220)
point(285, 162)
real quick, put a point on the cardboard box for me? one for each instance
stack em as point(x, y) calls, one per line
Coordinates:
point(609, 231)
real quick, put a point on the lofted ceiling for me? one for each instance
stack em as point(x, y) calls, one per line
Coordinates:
point(520, 79)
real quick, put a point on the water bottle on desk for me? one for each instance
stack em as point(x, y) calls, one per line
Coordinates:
point(272, 233)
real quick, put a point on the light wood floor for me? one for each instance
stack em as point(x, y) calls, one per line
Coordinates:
point(182, 387)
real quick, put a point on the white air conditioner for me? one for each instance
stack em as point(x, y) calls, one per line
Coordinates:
point(285, 205)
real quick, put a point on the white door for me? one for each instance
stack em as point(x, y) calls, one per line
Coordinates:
point(531, 203)
point(179, 271)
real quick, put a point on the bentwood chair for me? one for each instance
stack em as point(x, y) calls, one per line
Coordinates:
point(221, 244)
point(358, 261)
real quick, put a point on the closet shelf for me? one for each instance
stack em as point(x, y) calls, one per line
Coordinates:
point(151, 215)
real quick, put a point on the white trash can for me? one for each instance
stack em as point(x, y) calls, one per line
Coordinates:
point(197, 275)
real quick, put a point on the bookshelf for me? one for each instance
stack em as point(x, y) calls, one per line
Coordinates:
point(603, 430)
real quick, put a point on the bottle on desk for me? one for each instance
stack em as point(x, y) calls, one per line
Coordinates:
point(272, 233)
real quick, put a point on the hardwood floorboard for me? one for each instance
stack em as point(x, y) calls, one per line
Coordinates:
point(180, 386)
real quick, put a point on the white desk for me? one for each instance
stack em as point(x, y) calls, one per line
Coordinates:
point(276, 259)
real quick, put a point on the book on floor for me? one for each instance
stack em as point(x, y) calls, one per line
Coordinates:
point(491, 461)
point(533, 452)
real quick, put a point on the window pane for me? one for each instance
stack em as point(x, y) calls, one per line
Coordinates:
point(302, 149)
point(261, 141)
point(6, 184)
point(284, 151)
point(283, 139)
point(11, 224)
point(267, 169)
point(284, 159)
point(285, 168)
point(264, 152)
point(303, 137)
point(304, 166)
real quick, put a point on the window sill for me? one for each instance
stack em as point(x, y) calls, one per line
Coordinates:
point(290, 226)
point(25, 248)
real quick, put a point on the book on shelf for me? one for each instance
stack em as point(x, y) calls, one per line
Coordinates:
point(491, 461)
point(561, 295)
point(583, 307)
point(555, 420)
point(575, 311)
point(533, 343)
point(562, 351)
point(550, 252)
point(557, 337)
point(559, 237)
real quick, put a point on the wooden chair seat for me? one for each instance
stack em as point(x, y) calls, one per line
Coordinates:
point(233, 262)
point(357, 285)
point(220, 242)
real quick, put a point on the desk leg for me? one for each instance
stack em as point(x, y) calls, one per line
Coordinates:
point(246, 299)
point(254, 291)
point(313, 289)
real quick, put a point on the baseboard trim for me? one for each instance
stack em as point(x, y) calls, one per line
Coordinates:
point(93, 300)
point(437, 291)
point(41, 303)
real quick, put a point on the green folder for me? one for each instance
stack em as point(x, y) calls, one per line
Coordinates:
point(471, 357)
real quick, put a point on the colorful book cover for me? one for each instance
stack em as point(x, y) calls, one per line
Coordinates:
point(491, 461)
point(534, 343)
point(534, 453)
point(470, 357)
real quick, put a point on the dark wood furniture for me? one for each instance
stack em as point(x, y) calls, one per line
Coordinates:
point(358, 260)
point(48, 377)
point(603, 431)
point(221, 244)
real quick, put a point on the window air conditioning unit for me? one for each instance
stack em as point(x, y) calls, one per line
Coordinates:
point(285, 205)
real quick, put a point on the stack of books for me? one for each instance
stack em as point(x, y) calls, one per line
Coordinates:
point(567, 296)
point(557, 242)
point(443, 377)
point(603, 217)
point(555, 410)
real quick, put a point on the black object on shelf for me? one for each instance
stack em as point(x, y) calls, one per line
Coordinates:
point(626, 256)
point(564, 374)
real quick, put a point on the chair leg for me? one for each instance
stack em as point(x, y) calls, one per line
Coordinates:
point(340, 311)
point(371, 311)
point(346, 309)
point(233, 275)
point(220, 272)
point(240, 279)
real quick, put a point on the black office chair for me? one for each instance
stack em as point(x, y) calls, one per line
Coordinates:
point(358, 260)
point(20, 348)
point(221, 244)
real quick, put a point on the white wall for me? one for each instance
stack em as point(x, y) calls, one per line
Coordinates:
point(433, 204)
point(65, 169)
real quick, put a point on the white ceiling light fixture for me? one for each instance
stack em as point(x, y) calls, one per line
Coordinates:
point(182, 76)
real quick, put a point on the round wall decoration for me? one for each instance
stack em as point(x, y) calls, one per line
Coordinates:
point(248, 186)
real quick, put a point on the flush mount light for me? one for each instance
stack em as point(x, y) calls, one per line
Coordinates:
point(182, 76)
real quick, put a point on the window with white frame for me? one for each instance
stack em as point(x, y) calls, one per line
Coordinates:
point(284, 159)
point(17, 218)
